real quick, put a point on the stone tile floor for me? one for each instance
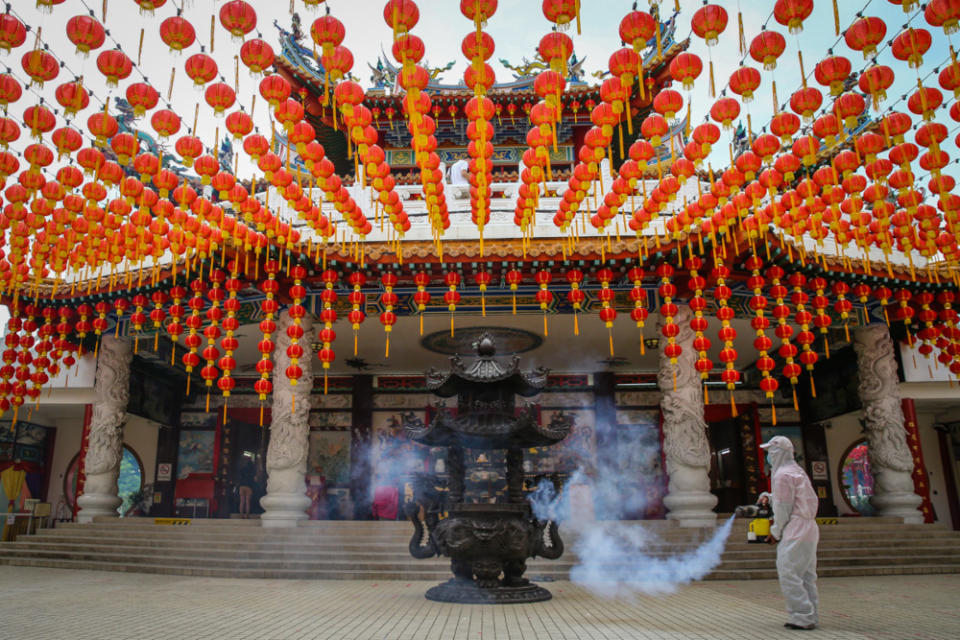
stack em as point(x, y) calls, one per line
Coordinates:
point(51, 604)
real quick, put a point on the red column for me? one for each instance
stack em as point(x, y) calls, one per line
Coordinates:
point(81, 466)
point(921, 486)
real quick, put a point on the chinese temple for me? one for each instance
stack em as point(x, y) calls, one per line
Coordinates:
point(249, 303)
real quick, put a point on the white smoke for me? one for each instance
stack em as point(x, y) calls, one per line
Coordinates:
point(620, 560)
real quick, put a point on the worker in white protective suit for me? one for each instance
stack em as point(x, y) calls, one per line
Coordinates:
point(795, 532)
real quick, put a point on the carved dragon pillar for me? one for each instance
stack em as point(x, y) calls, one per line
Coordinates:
point(685, 444)
point(111, 389)
point(286, 501)
point(890, 459)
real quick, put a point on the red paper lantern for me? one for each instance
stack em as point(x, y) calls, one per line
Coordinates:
point(709, 22)
point(177, 33)
point(201, 68)
point(238, 17)
point(85, 33)
point(12, 32)
point(115, 65)
point(257, 55)
point(865, 34)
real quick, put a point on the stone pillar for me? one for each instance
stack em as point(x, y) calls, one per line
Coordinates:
point(111, 390)
point(883, 423)
point(685, 443)
point(286, 500)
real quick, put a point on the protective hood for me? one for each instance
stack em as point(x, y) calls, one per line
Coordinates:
point(779, 452)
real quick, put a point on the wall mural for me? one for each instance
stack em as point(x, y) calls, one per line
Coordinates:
point(329, 457)
point(196, 453)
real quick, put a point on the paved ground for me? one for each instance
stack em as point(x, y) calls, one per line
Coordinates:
point(53, 604)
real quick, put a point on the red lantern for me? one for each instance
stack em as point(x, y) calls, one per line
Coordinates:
point(910, 46)
point(686, 68)
point(40, 66)
point(865, 34)
point(12, 32)
point(328, 32)
point(709, 22)
point(562, 13)
point(401, 16)
point(220, 96)
point(274, 89)
point(85, 33)
point(177, 33)
point(389, 300)
point(115, 65)
point(257, 55)
point(792, 13)
point(201, 68)
point(165, 122)
point(238, 17)
point(831, 72)
point(744, 81)
point(142, 97)
point(767, 47)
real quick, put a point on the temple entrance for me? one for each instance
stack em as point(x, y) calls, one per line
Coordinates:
point(243, 451)
point(735, 471)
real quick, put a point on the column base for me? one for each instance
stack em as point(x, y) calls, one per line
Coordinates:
point(93, 505)
point(283, 510)
point(899, 505)
point(691, 509)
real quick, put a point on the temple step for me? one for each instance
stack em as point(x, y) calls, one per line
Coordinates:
point(352, 550)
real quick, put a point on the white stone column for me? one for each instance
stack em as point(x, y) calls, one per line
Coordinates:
point(890, 459)
point(286, 500)
point(111, 389)
point(685, 443)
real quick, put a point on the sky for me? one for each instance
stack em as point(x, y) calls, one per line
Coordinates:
point(516, 28)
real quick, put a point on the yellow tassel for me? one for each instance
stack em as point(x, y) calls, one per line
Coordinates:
point(743, 38)
point(213, 24)
point(803, 74)
point(706, 394)
point(545, 334)
point(813, 387)
point(733, 405)
point(576, 324)
point(796, 406)
point(836, 18)
point(713, 84)
point(773, 410)
point(776, 102)
point(610, 339)
point(140, 48)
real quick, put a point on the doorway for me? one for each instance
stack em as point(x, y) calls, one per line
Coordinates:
point(243, 451)
point(736, 475)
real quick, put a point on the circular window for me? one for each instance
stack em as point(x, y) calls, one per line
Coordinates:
point(129, 481)
point(856, 481)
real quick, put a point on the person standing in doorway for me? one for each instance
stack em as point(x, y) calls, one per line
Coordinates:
point(795, 533)
point(245, 483)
